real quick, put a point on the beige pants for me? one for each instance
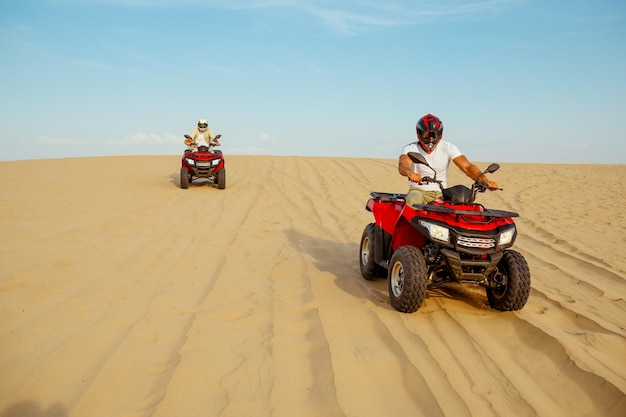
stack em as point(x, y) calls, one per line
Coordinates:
point(417, 196)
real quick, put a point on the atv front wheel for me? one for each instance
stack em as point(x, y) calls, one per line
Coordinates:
point(407, 279)
point(369, 269)
point(221, 178)
point(510, 283)
point(184, 178)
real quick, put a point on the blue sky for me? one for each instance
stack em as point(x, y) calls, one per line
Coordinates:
point(512, 80)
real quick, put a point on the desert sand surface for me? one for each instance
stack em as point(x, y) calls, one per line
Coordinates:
point(123, 295)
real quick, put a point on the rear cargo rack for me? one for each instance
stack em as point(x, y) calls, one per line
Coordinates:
point(387, 196)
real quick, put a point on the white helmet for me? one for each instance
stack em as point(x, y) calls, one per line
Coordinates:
point(202, 125)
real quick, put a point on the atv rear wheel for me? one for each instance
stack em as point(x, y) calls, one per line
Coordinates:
point(184, 178)
point(510, 283)
point(369, 269)
point(221, 178)
point(407, 279)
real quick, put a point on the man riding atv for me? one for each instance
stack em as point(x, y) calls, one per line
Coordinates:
point(438, 153)
point(201, 136)
point(420, 241)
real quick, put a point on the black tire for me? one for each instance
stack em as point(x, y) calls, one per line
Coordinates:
point(184, 178)
point(369, 269)
point(512, 278)
point(221, 178)
point(407, 279)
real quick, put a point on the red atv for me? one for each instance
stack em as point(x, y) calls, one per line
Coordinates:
point(204, 163)
point(451, 239)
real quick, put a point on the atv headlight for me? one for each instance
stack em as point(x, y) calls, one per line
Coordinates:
point(216, 162)
point(190, 161)
point(436, 232)
point(506, 237)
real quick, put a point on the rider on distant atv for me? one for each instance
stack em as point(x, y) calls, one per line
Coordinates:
point(439, 153)
point(202, 136)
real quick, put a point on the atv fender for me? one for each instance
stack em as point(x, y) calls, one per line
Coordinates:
point(405, 233)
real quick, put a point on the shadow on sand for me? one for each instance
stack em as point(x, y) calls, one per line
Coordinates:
point(201, 182)
point(336, 258)
point(32, 409)
point(342, 261)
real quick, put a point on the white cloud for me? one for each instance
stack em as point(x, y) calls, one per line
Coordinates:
point(89, 64)
point(265, 144)
point(358, 15)
point(48, 140)
point(251, 150)
point(348, 22)
point(141, 137)
point(267, 139)
point(171, 138)
point(347, 16)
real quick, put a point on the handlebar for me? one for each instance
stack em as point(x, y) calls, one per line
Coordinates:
point(482, 186)
point(211, 143)
point(427, 180)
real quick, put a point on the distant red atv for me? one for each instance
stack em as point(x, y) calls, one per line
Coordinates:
point(451, 239)
point(204, 163)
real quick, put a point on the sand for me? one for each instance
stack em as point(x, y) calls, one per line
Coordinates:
point(123, 295)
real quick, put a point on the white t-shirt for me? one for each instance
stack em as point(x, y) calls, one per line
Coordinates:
point(200, 140)
point(439, 159)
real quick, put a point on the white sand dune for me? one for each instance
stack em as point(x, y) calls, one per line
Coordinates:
point(123, 295)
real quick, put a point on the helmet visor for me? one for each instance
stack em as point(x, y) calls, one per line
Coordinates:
point(203, 125)
point(431, 137)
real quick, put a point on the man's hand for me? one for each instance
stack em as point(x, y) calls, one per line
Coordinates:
point(493, 186)
point(415, 177)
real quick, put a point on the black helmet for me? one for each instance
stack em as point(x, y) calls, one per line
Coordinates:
point(429, 131)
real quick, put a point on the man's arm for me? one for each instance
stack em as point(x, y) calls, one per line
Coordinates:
point(405, 168)
point(211, 137)
point(193, 136)
point(473, 171)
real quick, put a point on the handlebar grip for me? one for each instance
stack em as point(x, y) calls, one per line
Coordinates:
point(481, 186)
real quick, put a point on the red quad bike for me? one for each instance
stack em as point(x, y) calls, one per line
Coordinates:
point(451, 239)
point(204, 163)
